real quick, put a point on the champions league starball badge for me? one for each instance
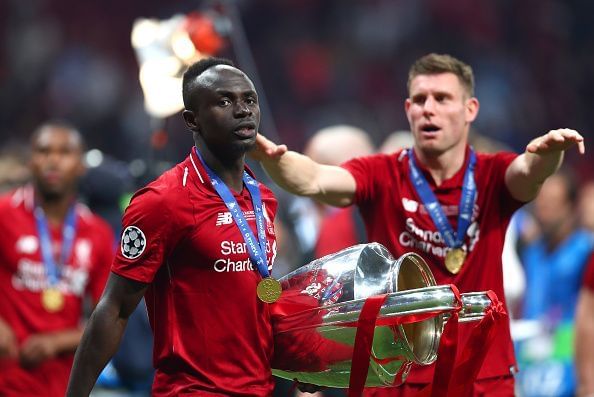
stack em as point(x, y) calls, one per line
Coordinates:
point(133, 242)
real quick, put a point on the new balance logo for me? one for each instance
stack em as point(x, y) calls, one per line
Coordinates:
point(224, 218)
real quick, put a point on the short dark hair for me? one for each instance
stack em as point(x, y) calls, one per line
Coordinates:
point(58, 124)
point(443, 63)
point(195, 70)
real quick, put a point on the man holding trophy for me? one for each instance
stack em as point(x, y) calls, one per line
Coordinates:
point(438, 199)
point(200, 242)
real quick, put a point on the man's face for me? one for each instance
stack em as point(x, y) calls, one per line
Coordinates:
point(56, 161)
point(226, 115)
point(439, 112)
point(552, 206)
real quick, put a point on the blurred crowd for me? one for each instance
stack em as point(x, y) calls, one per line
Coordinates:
point(326, 64)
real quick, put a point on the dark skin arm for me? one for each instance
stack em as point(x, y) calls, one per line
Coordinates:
point(103, 332)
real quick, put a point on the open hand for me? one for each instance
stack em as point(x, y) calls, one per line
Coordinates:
point(37, 348)
point(266, 149)
point(556, 141)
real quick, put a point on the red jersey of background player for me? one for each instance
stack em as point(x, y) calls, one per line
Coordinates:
point(23, 278)
point(395, 216)
point(588, 281)
point(212, 333)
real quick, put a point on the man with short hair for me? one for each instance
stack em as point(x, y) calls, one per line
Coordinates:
point(53, 252)
point(199, 241)
point(439, 199)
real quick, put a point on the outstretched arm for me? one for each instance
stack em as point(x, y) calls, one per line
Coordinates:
point(301, 175)
point(103, 332)
point(543, 156)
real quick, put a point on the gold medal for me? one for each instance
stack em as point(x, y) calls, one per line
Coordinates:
point(455, 259)
point(269, 290)
point(52, 300)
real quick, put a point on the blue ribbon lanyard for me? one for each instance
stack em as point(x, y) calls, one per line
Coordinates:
point(452, 240)
point(53, 269)
point(256, 249)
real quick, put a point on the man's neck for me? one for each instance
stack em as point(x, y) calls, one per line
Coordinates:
point(229, 170)
point(555, 238)
point(55, 208)
point(444, 165)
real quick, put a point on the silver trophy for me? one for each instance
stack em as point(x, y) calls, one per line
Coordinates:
point(313, 320)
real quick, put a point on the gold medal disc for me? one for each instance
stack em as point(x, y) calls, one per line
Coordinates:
point(454, 260)
point(269, 290)
point(52, 300)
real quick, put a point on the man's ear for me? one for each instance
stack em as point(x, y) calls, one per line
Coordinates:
point(190, 120)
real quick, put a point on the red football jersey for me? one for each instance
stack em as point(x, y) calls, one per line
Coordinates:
point(212, 333)
point(589, 274)
point(23, 278)
point(395, 216)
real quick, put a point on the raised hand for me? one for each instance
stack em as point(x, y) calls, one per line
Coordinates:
point(266, 149)
point(556, 141)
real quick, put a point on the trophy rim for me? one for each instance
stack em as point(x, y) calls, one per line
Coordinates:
point(432, 327)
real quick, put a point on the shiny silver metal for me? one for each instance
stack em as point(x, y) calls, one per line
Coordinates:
point(337, 286)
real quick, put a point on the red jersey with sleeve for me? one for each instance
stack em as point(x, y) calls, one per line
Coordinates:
point(212, 335)
point(395, 216)
point(23, 278)
point(589, 274)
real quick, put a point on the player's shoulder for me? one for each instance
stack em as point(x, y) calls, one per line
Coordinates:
point(374, 160)
point(20, 197)
point(495, 156)
point(164, 191)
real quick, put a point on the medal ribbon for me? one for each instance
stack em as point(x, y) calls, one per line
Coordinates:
point(256, 248)
point(53, 269)
point(467, 199)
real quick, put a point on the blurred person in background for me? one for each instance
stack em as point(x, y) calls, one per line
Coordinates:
point(53, 253)
point(396, 141)
point(189, 244)
point(584, 322)
point(554, 265)
point(14, 171)
point(331, 229)
point(584, 334)
point(321, 229)
point(405, 217)
point(586, 205)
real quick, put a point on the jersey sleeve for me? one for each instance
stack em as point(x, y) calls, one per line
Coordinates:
point(366, 171)
point(501, 162)
point(104, 258)
point(148, 235)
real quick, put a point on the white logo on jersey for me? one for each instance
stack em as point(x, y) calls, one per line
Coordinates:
point(27, 245)
point(133, 242)
point(410, 205)
point(82, 251)
point(224, 218)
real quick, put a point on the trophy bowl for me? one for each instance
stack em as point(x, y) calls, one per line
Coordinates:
point(315, 319)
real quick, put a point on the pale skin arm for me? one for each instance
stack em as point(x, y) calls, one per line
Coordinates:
point(103, 332)
point(584, 343)
point(543, 156)
point(40, 347)
point(8, 343)
point(302, 176)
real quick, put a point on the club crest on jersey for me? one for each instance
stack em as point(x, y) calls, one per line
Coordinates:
point(27, 244)
point(133, 242)
point(410, 205)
